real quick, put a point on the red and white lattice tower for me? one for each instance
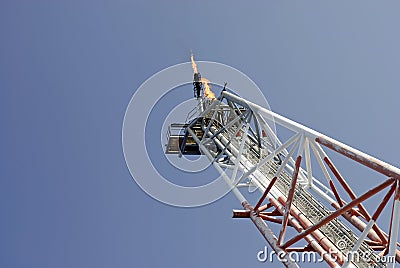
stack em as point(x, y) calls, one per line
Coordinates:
point(234, 134)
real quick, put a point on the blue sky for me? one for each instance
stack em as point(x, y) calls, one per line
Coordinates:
point(69, 68)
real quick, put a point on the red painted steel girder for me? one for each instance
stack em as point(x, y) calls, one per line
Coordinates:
point(339, 212)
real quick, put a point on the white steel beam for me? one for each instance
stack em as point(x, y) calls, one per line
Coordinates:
point(394, 235)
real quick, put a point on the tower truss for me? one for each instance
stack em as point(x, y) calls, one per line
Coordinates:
point(234, 134)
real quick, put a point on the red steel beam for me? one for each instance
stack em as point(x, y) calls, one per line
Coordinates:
point(339, 212)
point(379, 211)
point(321, 238)
point(353, 196)
point(289, 200)
point(311, 239)
point(271, 219)
point(271, 183)
point(360, 225)
point(376, 248)
point(270, 237)
point(384, 202)
point(264, 207)
point(373, 243)
point(335, 193)
point(272, 213)
point(396, 196)
point(359, 157)
point(346, 186)
point(240, 213)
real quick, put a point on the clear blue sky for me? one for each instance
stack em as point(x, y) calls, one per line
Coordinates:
point(69, 68)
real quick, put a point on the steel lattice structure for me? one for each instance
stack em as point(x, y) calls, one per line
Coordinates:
point(235, 136)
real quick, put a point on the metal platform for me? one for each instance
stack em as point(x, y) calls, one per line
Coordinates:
point(176, 137)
